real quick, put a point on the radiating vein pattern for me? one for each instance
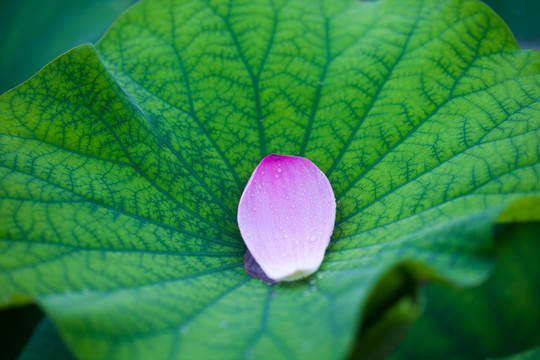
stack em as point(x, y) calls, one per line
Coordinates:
point(121, 167)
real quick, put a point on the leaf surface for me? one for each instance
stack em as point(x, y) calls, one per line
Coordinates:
point(122, 167)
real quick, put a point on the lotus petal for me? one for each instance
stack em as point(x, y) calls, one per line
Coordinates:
point(286, 216)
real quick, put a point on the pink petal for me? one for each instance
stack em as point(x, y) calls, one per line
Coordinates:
point(286, 216)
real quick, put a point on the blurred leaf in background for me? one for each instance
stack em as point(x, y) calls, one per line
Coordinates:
point(16, 325)
point(33, 32)
point(45, 344)
point(532, 354)
point(497, 319)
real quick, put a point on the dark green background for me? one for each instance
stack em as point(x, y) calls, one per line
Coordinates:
point(33, 32)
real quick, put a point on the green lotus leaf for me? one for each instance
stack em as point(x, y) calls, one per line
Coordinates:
point(122, 165)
